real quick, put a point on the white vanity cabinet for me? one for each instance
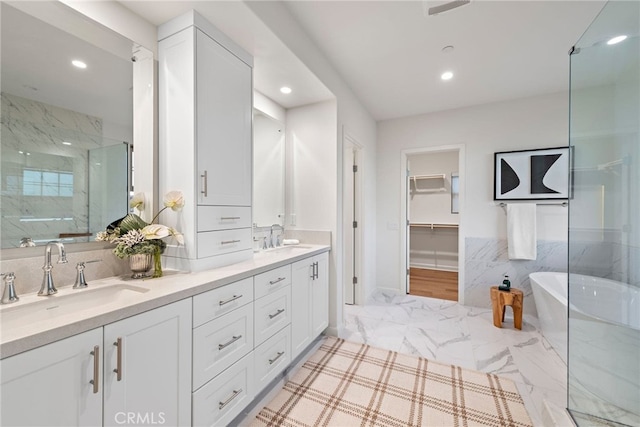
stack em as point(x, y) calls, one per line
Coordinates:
point(205, 139)
point(310, 301)
point(50, 385)
point(72, 382)
point(147, 367)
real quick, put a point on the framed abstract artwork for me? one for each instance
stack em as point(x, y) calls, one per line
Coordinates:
point(541, 174)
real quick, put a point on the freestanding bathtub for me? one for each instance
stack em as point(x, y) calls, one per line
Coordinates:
point(604, 339)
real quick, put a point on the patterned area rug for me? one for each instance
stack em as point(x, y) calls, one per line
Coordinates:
point(351, 384)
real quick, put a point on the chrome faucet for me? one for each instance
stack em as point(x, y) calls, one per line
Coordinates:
point(9, 295)
point(47, 287)
point(279, 236)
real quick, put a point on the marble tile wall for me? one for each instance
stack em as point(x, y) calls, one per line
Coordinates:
point(32, 136)
point(487, 262)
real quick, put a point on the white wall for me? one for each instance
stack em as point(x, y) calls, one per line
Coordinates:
point(535, 122)
point(352, 119)
point(433, 206)
point(312, 140)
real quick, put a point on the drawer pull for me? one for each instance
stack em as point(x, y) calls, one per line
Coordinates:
point(277, 313)
point(96, 369)
point(278, 356)
point(233, 298)
point(229, 242)
point(278, 280)
point(228, 343)
point(233, 396)
point(118, 369)
point(229, 218)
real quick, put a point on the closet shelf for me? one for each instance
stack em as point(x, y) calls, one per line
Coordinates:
point(432, 183)
point(432, 225)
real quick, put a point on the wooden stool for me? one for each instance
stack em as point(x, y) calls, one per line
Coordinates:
point(500, 299)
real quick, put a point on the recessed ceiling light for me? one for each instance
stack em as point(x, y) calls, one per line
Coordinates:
point(66, 143)
point(447, 75)
point(285, 89)
point(617, 39)
point(20, 152)
point(79, 64)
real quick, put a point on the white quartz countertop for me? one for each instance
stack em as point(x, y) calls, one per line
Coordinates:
point(26, 328)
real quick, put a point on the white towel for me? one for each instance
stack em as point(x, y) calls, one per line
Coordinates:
point(521, 230)
point(290, 242)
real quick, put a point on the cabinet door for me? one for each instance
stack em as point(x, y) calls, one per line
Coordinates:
point(320, 295)
point(49, 386)
point(223, 125)
point(153, 375)
point(300, 306)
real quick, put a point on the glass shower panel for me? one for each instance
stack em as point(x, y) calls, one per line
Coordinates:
point(604, 221)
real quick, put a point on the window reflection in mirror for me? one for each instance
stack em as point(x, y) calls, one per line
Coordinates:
point(268, 170)
point(66, 133)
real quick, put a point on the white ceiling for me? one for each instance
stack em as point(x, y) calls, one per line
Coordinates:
point(390, 53)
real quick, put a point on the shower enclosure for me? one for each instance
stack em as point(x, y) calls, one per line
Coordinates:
point(604, 220)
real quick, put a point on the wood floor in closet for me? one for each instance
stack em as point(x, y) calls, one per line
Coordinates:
point(434, 283)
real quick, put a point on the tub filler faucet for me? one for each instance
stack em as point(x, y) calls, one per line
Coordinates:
point(47, 287)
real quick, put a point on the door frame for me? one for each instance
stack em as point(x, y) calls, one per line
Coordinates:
point(354, 239)
point(404, 238)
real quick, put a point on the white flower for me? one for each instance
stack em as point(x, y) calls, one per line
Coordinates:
point(177, 235)
point(137, 202)
point(131, 239)
point(174, 200)
point(155, 231)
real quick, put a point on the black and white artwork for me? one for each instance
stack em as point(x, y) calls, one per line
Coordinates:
point(532, 174)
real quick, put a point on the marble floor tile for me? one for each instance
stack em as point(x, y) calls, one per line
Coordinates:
point(447, 332)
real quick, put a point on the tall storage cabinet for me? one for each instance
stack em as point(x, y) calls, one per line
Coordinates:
point(205, 141)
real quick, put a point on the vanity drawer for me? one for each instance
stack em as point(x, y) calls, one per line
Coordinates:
point(220, 342)
point(272, 280)
point(220, 400)
point(214, 303)
point(212, 243)
point(272, 357)
point(272, 313)
point(212, 218)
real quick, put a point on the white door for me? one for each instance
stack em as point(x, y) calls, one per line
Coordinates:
point(407, 260)
point(223, 125)
point(148, 367)
point(320, 295)
point(51, 385)
point(301, 274)
point(350, 224)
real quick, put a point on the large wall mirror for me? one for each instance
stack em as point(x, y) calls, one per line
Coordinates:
point(67, 133)
point(268, 170)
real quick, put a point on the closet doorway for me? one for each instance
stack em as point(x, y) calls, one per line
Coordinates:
point(432, 210)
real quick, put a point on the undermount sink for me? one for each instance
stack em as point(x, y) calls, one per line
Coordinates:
point(290, 249)
point(31, 308)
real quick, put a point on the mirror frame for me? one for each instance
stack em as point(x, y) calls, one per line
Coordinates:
point(91, 21)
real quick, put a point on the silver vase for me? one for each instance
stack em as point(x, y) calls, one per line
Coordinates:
point(139, 265)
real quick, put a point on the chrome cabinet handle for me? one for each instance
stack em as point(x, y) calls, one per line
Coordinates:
point(233, 396)
point(278, 280)
point(228, 218)
point(233, 298)
point(228, 343)
point(315, 269)
point(118, 369)
point(204, 184)
point(96, 368)
point(278, 356)
point(228, 242)
point(277, 313)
